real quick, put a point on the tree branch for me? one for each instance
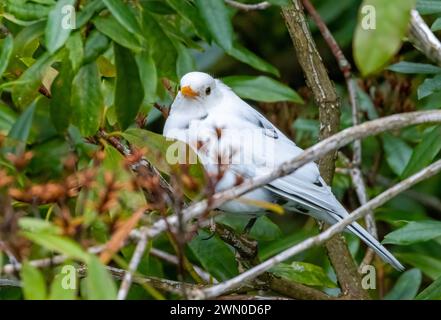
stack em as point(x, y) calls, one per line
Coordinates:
point(133, 265)
point(46, 262)
point(247, 251)
point(9, 283)
point(248, 7)
point(142, 167)
point(229, 285)
point(425, 199)
point(423, 38)
point(328, 102)
point(174, 260)
point(157, 283)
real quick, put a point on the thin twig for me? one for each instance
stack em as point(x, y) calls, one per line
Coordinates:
point(248, 7)
point(12, 259)
point(174, 260)
point(9, 283)
point(247, 256)
point(164, 110)
point(139, 166)
point(157, 283)
point(46, 262)
point(425, 199)
point(133, 265)
point(248, 275)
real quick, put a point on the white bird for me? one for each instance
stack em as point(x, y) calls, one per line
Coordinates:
point(222, 128)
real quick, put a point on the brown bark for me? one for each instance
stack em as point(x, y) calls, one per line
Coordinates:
point(326, 98)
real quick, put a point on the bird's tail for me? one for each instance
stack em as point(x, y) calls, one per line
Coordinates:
point(375, 245)
point(320, 203)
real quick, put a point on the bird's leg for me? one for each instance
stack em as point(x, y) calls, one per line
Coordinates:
point(249, 226)
point(212, 229)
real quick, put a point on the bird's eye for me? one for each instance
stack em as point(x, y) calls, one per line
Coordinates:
point(208, 91)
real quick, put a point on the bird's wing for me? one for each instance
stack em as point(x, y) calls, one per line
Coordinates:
point(254, 117)
point(314, 199)
point(304, 186)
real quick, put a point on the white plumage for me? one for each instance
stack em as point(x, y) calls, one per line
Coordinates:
point(211, 118)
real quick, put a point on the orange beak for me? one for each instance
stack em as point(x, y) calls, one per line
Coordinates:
point(188, 92)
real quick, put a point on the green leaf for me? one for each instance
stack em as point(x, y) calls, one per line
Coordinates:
point(436, 26)
point(221, 265)
point(306, 127)
point(58, 292)
point(96, 44)
point(148, 74)
point(432, 292)
point(189, 12)
point(424, 152)
point(185, 62)
point(30, 81)
point(60, 244)
point(428, 6)
point(87, 100)
point(36, 225)
point(7, 119)
point(21, 128)
point(159, 7)
point(49, 159)
point(56, 32)
point(414, 232)
point(99, 283)
point(115, 31)
point(305, 273)
point(278, 245)
point(414, 68)
point(391, 19)
point(6, 47)
point(88, 11)
point(215, 15)
point(123, 15)
point(60, 104)
point(406, 286)
point(261, 88)
point(160, 46)
point(26, 11)
point(246, 56)
point(27, 40)
point(429, 86)
point(366, 103)
point(34, 286)
point(129, 91)
point(156, 145)
point(397, 151)
point(427, 264)
point(166, 155)
point(74, 45)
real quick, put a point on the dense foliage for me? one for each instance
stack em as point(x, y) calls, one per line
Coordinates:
point(75, 100)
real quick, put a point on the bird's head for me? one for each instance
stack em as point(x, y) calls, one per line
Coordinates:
point(198, 86)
